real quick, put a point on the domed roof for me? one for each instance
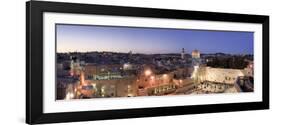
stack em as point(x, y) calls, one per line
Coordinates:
point(195, 54)
point(195, 51)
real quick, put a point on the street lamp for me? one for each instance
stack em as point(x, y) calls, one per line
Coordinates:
point(147, 72)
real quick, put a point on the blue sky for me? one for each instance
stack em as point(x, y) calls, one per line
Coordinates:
point(82, 38)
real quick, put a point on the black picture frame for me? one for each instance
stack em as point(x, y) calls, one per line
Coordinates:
point(34, 61)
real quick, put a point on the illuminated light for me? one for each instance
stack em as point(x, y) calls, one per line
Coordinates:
point(94, 85)
point(180, 81)
point(148, 72)
point(251, 66)
point(152, 77)
point(71, 73)
point(165, 75)
point(127, 66)
point(103, 89)
point(69, 96)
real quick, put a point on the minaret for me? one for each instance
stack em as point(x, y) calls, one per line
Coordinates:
point(130, 54)
point(182, 53)
point(71, 65)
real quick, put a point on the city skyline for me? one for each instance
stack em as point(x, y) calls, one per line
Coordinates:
point(86, 38)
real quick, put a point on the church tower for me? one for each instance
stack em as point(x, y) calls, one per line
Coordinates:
point(182, 53)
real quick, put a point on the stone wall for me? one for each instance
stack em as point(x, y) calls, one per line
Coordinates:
point(220, 75)
point(117, 87)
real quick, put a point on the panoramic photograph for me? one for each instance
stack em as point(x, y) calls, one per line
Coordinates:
point(95, 61)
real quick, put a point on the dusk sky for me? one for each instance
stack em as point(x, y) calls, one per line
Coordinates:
point(82, 38)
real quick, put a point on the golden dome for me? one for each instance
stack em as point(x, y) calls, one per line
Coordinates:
point(195, 54)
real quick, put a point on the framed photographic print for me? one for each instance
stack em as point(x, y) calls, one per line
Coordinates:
point(95, 62)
